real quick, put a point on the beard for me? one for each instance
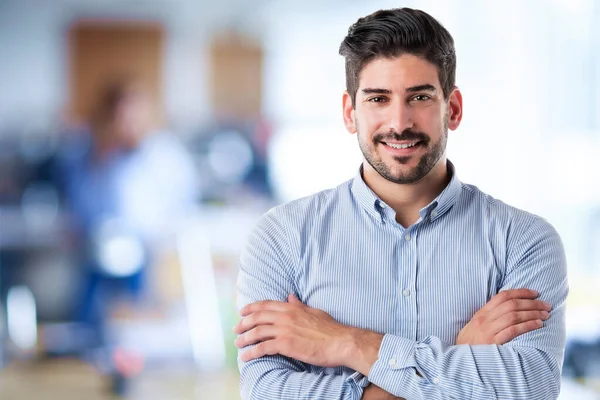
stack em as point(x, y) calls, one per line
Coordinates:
point(433, 153)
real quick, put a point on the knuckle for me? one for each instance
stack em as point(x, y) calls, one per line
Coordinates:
point(480, 322)
point(248, 321)
point(248, 337)
point(265, 347)
point(513, 304)
point(260, 348)
point(258, 331)
point(540, 304)
point(514, 317)
point(504, 296)
point(290, 316)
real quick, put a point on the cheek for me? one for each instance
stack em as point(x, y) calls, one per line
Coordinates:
point(429, 119)
point(372, 121)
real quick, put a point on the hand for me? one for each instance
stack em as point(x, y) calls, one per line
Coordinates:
point(294, 330)
point(373, 392)
point(507, 315)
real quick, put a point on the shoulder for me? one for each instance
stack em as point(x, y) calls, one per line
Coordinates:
point(521, 229)
point(300, 211)
point(282, 230)
point(296, 220)
point(497, 210)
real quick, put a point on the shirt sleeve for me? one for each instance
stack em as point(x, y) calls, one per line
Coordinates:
point(528, 367)
point(266, 272)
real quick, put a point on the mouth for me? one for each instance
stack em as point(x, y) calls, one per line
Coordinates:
point(402, 148)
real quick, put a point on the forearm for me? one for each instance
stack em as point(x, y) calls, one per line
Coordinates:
point(277, 377)
point(432, 369)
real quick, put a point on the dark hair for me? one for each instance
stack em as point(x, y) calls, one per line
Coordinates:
point(391, 33)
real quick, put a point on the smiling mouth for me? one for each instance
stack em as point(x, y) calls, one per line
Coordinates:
point(402, 145)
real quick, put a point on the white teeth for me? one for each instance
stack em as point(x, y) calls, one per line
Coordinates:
point(401, 146)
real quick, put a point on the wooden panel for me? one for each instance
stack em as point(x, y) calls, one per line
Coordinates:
point(236, 77)
point(100, 52)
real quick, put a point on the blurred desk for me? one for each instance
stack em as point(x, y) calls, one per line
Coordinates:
point(66, 379)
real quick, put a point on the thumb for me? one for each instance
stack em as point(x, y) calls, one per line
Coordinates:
point(292, 299)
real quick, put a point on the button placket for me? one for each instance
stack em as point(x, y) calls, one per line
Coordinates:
point(409, 289)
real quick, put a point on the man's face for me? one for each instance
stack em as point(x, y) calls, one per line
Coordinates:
point(400, 117)
point(132, 119)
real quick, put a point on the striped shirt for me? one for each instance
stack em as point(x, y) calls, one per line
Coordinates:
point(342, 251)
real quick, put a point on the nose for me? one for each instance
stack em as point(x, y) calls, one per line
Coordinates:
point(400, 117)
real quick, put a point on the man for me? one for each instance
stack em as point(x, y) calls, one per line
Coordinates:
point(126, 184)
point(403, 282)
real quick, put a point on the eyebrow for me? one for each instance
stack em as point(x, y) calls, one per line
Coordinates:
point(376, 91)
point(419, 88)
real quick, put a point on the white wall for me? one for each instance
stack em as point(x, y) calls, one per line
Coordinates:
point(33, 52)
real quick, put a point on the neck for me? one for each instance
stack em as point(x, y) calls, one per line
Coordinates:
point(407, 199)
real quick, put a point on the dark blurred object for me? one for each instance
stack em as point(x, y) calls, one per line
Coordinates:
point(34, 264)
point(582, 359)
point(231, 158)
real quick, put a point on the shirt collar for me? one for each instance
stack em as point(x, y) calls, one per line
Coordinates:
point(375, 206)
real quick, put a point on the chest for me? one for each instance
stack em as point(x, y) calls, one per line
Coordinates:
point(413, 283)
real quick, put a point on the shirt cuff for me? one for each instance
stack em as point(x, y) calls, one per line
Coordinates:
point(396, 360)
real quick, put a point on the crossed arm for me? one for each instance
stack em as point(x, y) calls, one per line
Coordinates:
point(501, 353)
point(314, 337)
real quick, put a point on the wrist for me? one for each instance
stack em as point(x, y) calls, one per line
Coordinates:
point(363, 350)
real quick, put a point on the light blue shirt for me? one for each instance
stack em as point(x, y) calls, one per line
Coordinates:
point(342, 251)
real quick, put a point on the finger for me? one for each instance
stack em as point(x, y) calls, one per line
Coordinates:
point(257, 318)
point(270, 305)
point(513, 331)
point(268, 347)
point(515, 318)
point(292, 299)
point(513, 305)
point(507, 295)
point(256, 335)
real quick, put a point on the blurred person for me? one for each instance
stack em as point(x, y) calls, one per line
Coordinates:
point(127, 187)
point(403, 282)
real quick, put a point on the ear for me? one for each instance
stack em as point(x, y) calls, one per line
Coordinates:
point(455, 105)
point(348, 111)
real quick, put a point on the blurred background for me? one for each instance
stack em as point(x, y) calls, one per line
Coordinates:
point(141, 140)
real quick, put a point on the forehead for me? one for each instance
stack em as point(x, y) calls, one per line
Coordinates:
point(399, 72)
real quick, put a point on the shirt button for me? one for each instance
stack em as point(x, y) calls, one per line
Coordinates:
point(436, 380)
point(434, 213)
point(407, 237)
point(406, 292)
point(392, 362)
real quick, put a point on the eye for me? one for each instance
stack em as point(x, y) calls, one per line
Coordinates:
point(377, 99)
point(420, 97)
